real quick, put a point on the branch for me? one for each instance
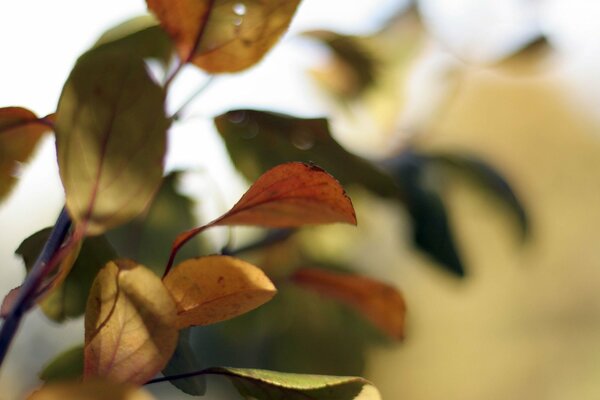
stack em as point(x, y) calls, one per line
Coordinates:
point(48, 258)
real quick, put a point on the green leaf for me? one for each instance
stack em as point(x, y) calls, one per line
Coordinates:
point(110, 137)
point(148, 238)
point(67, 366)
point(486, 178)
point(183, 361)
point(20, 132)
point(431, 228)
point(141, 36)
point(258, 141)
point(69, 299)
point(271, 385)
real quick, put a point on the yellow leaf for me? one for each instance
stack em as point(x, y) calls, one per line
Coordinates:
point(215, 288)
point(91, 390)
point(224, 35)
point(130, 331)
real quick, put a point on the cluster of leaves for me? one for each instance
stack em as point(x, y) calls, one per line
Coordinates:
point(110, 129)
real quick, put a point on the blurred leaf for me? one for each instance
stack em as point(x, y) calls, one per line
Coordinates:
point(20, 131)
point(148, 237)
point(431, 228)
point(528, 58)
point(9, 301)
point(69, 298)
point(68, 365)
point(271, 385)
point(355, 66)
point(141, 36)
point(130, 331)
point(184, 361)
point(110, 137)
point(90, 390)
point(258, 141)
point(380, 303)
point(216, 288)
point(487, 178)
point(288, 195)
point(224, 35)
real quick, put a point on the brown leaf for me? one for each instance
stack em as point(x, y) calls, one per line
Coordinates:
point(130, 331)
point(289, 195)
point(224, 35)
point(216, 288)
point(382, 304)
point(20, 131)
point(91, 390)
point(9, 301)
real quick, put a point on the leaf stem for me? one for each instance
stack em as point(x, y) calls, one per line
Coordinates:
point(48, 257)
point(185, 375)
point(177, 114)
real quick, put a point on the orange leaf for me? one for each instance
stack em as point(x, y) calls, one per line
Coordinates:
point(289, 195)
point(130, 331)
point(382, 304)
point(216, 288)
point(91, 390)
point(224, 35)
point(20, 131)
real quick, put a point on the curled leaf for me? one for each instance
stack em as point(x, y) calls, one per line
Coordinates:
point(130, 331)
point(382, 304)
point(91, 390)
point(224, 35)
point(110, 138)
point(20, 131)
point(216, 288)
point(268, 385)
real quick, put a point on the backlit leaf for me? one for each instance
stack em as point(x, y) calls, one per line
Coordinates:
point(141, 36)
point(91, 390)
point(68, 299)
point(216, 288)
point(130, 331)
point(224, 35)
point(382, 304)
point(271, 385)
point(260, 140)
point(66, 366)
point(183, 361)
point(110, 133)
point(20, 131)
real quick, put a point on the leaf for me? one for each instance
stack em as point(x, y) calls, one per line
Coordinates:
point(68, 299)
point(66, 366)
point(147, 238)
point(260, 140)
point(183, 361)
point(486, 178)
point(431, 228)
point(216, 288)
point(130, 331)
point(289, 195)
point(271, 385)
point(382, 304)
point(224, 35)
point(142, 36)
point(110, 133)
point(9, 301)
point(91, 390)
point(20, 131)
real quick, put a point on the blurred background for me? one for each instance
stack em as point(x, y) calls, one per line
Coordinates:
point(512, 83)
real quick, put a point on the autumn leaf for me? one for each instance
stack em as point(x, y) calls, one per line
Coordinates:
point(20, 131)
point(130, 331)
point(260, 140)
point(269, 385)
point(382, 304)
point(224, 35)
point(110, 138)
point(216, 288)
point(91, 390)
point(289, 195)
